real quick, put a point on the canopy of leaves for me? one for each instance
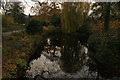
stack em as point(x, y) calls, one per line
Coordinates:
point(15, 10)
point(45, 10)
point(73, 15)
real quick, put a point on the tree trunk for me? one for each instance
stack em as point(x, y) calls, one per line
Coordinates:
point(107, 16)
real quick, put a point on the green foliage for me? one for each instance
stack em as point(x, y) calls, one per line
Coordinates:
point(34, 26)
point(106, 46)
point(4, 21)
point(73, 16)
point(14, 9)
point(22, 34)
point(18, 44)
point(21, 19)
point(55, 20)
point(104, 49)
point(17, 12)
point(12, 28)
point(51, 29)
point(21, 63)
point(17, 48)
point(85, 28)
point(9, 76)
point(7, 21)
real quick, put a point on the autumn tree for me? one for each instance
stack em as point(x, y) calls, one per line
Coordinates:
point(105, 11)
point(45, 10)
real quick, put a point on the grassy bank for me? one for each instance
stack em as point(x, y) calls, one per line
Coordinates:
point(12, 28)
point(16, 52)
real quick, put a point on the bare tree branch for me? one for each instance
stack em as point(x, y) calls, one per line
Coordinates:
point(27, 3)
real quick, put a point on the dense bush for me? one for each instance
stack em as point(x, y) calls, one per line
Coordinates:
point(55, 21)
point(34, 26)
point(7, 21)
point(85, 28)
point(21, 19)
point(105, 47)
point(105, 43)
point(51, 29)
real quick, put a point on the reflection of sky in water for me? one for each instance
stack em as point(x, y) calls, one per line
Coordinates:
point(51, 66)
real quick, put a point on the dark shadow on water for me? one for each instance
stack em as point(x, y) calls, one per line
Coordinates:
point(69, 57)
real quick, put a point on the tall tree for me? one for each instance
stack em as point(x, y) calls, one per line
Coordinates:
point(13, 9)
point(45, 10)
point(107, 16)
point(105, 11)
point(17, 11)
point(73, 15)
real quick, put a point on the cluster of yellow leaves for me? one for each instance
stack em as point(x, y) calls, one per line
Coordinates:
point(24, 39)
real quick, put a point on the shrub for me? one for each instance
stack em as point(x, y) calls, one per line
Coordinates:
point(18, 44)
point(105, 48)
point(34, 26)
point(21, 63)
point(55, 21)
point(105, 43)
point(4, 21)
point(85, 28)
point(7, 21)
point(51, 29)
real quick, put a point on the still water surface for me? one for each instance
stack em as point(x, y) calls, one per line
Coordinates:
point(71, 59)
point(54, 64)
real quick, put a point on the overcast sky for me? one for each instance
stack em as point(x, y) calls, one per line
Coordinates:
point(28, 6)
point(29, 3)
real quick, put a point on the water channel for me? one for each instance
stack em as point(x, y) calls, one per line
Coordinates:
point(67, 57)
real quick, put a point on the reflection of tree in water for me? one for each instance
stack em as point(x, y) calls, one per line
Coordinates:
point(106, 60)
point(71, 56)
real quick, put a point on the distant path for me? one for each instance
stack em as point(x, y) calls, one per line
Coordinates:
point(10, 32)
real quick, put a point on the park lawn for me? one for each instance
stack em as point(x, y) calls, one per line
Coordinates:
point(17, 48)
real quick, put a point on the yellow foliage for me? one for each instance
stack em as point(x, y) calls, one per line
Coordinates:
point(99, 25)
point(45, 28)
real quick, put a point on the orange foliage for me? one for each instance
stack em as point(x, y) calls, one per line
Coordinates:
point(99, 25)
